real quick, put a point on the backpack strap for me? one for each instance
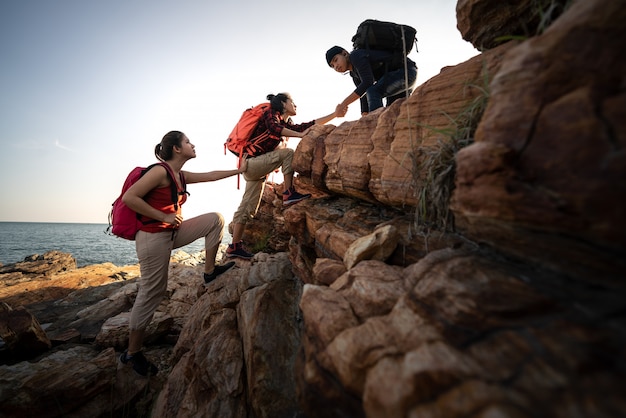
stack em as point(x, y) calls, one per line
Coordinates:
point(173, 188)
point(173, 183)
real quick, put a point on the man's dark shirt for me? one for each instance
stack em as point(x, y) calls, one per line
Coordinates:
point(368, 66)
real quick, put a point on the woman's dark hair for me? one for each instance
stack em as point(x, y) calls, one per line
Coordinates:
point(277, 101)
point(165, 149)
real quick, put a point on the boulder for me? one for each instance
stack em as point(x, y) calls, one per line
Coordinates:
point(22, 334)
point(37, 266)
point(487, 24)
point(243, 349)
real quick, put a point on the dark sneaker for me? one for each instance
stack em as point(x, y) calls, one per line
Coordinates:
point(236, 250)
point(290, 196)
point(140, 363)
point(208, 278)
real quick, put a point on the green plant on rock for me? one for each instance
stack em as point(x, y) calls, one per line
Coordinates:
point(547, 11)
point(261, 244)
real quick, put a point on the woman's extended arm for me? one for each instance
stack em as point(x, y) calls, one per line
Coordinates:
point(214, 175)
point(338, 113)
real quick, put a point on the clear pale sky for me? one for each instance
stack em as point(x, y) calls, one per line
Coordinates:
point(90, 87)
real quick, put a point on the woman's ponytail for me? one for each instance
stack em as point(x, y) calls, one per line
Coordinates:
point(277, 101)
point(165, 149)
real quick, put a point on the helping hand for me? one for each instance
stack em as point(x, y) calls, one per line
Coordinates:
point(341, 111)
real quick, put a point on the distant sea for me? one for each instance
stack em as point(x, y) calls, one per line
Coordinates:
point(87, 243)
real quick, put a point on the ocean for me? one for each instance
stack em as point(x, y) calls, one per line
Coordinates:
point(87, 243)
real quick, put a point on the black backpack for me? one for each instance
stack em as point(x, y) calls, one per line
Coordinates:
point(386, 36)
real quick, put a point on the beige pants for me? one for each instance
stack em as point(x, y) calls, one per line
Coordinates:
point(258, 168)
point(154, 250)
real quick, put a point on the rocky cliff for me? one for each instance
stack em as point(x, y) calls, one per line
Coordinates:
point(463, 255)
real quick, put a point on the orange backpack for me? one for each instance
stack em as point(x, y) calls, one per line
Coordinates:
point(240, 140)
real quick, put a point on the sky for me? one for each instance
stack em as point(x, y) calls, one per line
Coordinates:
point(88, 88)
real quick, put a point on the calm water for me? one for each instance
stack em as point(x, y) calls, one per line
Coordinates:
point(87, 243)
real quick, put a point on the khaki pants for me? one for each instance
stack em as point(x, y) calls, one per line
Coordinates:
point(154, 250)
point(258, 168)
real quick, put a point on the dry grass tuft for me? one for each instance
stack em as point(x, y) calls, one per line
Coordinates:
point(434, 168)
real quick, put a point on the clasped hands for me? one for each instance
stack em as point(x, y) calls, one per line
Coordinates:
point(341, 110)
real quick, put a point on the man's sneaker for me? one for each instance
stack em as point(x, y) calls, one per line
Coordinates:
point(236, 250)
point(290, 196)
point(208, 278)
point(140, 363)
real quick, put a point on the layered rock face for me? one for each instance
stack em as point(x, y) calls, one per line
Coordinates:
point(462, 256)
point(521, 313)
point(550, 149)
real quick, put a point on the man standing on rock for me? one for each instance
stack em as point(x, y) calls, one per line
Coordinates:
point(372, 76)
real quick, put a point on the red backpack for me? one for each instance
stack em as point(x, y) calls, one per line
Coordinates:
point(125, 222)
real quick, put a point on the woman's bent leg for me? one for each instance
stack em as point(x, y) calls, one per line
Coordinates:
point(153, 252)
point(210, 226)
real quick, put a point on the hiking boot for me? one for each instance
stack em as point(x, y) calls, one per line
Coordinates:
point(290, 196)
point(140, 363)
point(236, 250)
point(208, 278)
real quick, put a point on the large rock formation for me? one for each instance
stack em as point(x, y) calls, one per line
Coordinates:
point(526, 313)
point(462, 256)
point(550, 148)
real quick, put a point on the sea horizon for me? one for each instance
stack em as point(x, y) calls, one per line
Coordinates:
point(87, 242)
